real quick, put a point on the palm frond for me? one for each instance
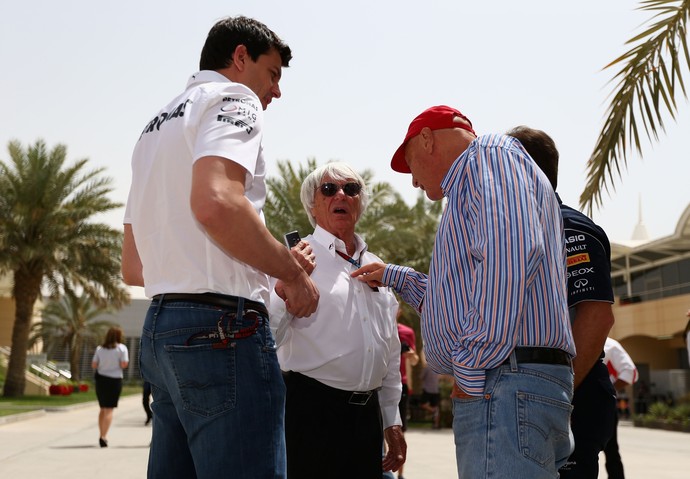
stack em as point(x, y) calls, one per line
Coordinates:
point(647, 85)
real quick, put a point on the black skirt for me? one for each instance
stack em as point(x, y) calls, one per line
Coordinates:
point(108, 390)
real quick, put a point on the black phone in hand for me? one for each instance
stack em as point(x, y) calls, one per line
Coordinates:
point(292, 238)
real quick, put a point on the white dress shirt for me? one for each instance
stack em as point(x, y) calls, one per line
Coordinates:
point(351, 341)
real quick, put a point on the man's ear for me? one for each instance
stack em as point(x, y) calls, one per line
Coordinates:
point(239, 57)
point(427, 137)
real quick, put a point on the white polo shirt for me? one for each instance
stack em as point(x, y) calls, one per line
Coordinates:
point(351, 341)
point(212, 117)
point(109, 360)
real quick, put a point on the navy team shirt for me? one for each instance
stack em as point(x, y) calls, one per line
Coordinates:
point(588, 254)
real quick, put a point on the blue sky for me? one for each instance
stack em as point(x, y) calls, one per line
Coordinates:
point(91, 75)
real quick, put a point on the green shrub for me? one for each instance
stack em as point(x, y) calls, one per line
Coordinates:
point(658, 410)
point(662, 412)
point(680, 413)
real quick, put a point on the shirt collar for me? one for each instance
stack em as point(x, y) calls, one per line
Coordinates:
point(331, 243)
point(206, 76)
point(448, 180)
point(212, 76)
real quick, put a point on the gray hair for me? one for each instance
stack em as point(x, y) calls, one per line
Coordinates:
point(337, 171)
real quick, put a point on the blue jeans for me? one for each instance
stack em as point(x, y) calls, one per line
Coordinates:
point(520, 427)
point(218, 408)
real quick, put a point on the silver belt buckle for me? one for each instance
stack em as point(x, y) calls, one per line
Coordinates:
point(360, 398)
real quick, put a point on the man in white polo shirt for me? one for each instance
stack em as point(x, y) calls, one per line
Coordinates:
point(195, 239)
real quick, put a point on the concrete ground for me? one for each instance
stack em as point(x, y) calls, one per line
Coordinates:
point(64, 444)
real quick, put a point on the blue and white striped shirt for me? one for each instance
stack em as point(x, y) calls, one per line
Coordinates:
point(497, 277)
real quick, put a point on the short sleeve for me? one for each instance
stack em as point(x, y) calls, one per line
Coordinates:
point(230, 127)
point(588, 266)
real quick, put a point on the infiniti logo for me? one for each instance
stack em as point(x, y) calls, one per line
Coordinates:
point(580, 283)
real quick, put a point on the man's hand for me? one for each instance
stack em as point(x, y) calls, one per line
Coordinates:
point(458, 393)
point(304, 255)
point(300, 294)
point(397, 449)
point(372, 274)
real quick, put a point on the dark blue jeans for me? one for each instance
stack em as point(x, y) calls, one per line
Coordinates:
point(593, 422)
point(218, 407)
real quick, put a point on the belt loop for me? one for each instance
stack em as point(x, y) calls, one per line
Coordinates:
point(156, 313)
point(240, 308)
point(160, 304)
point(513, 361)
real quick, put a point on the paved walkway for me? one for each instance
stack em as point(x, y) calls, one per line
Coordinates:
point(64, 444)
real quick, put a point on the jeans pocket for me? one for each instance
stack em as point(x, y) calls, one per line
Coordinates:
point(543, 423)
point(265, 339)
point(205, 376)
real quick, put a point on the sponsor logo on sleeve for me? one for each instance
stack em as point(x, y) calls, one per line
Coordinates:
point(244, 101)
point(238, 122)
point(238, 112)
point(579, 286)
point(573, 249)
point(577, 259)
point(579, 272)
point(574, 239)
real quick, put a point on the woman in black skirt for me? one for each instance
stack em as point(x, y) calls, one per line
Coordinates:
point(108, 361)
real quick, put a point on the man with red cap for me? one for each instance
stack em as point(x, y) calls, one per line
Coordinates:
point(493, 306)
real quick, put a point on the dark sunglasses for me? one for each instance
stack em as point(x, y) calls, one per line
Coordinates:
point(350, 189)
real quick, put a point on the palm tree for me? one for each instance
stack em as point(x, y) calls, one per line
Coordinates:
point(46, 238)
point(72, 322)
point(647, 85)
point(284, 211)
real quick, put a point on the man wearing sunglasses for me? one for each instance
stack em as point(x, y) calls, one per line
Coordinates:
point(493, 306)
point(196, 240)
point(342, 363)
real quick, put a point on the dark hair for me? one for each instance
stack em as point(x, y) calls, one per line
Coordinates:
point(112, 337)
point(227, 34)
point(541, 148)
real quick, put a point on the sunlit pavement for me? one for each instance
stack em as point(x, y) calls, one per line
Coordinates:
point(64, 444)
point(646, 453)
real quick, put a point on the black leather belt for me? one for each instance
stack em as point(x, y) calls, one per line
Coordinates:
point(356, 398)
point(222, 301)
point(540, 356)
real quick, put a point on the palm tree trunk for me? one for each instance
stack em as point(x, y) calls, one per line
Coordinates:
point(27, 287)
point(75, 358)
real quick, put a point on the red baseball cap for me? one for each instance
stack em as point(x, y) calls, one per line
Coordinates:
point(437, 118)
